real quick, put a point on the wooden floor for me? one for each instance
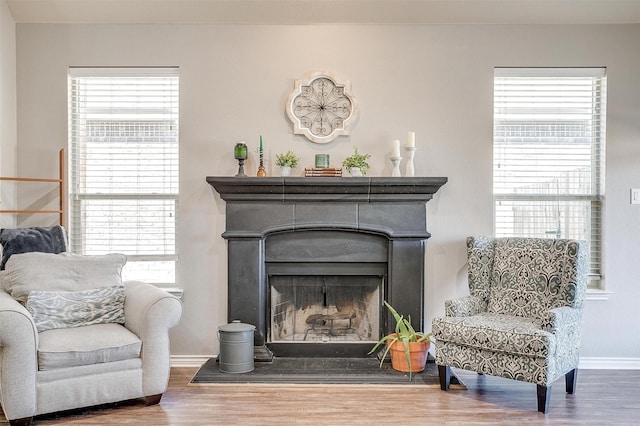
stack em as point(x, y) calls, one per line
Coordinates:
point(603, 397)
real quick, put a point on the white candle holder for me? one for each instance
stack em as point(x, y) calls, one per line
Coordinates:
point(396, 166)
point(411, 152)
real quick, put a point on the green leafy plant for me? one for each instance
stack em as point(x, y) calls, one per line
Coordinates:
point(357, 160)
point(404, 332)
point(288, 159)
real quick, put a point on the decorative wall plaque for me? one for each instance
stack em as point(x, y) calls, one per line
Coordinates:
point(321, 108)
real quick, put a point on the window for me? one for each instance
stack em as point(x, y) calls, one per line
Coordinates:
point(124, 167)
point(548, 155)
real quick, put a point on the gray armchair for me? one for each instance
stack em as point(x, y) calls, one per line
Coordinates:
point(522, 319)
point(65, 368)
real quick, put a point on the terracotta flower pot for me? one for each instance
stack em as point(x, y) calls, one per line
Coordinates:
point(417, 353)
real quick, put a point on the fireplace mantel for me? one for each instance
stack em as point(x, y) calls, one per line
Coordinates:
point(394, 207)
point(336, 223)
point(304, 189)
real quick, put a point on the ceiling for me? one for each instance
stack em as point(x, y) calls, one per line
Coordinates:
point(328, 11)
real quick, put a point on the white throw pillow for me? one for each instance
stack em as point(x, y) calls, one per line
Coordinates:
point(36, 271)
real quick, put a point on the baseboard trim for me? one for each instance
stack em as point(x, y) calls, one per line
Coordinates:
point(607, 363)
point(189, 360)
point(586, 363)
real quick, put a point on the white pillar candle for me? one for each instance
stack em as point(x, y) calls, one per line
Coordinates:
point(411, 140)
point(396, 148)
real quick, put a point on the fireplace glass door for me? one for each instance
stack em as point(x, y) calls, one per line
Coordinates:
point(325, 308)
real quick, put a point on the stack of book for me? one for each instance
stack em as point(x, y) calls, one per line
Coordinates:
point(323, 172)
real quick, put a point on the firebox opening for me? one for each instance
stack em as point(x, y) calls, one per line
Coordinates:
point(325, 308)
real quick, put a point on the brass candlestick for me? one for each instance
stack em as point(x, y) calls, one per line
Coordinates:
point(261, 170)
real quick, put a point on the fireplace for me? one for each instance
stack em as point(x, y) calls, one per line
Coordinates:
point(324, 308)
point(310, 260)
point(325, 287)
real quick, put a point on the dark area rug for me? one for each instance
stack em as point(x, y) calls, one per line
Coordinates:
point(353, 371)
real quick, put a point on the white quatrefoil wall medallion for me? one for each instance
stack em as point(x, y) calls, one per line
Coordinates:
point(321, 108)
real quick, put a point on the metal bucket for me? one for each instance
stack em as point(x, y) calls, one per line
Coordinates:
point(236, 347)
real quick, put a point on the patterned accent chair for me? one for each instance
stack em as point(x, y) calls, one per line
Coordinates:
point(522, 319)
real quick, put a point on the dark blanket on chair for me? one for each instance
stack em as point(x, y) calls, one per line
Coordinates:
point(25, 240)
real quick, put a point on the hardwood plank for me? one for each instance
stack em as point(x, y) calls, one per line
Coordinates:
point(602, 397)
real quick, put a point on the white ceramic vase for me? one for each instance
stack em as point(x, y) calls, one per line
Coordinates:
point(285, 171)
point(355, 171)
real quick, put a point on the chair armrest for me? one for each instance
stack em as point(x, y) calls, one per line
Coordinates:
point(18, 343)
point(150, 312)
point(560, 318)
point(465, 306)
point(148, 308)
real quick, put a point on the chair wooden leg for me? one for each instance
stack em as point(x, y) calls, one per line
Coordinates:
point(444, 373)
point(25, 421)
point(152, 399)
point(571, 379)
point(544, 395)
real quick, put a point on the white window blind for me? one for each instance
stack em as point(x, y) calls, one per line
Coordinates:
point(548, 139)
point(124, 167)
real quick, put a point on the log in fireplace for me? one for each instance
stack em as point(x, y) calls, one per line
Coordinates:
point(310, 260)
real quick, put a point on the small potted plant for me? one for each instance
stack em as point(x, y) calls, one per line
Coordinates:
point(356, 163)
point(286, 162)
point(408, 347)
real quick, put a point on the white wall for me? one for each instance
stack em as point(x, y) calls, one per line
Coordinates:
point(7, 112)
point(434, 80)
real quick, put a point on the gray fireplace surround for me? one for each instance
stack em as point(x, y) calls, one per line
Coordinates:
point(334, 226)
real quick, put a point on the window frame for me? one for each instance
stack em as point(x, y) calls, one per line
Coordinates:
point(596, 196)
point(76, 197)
